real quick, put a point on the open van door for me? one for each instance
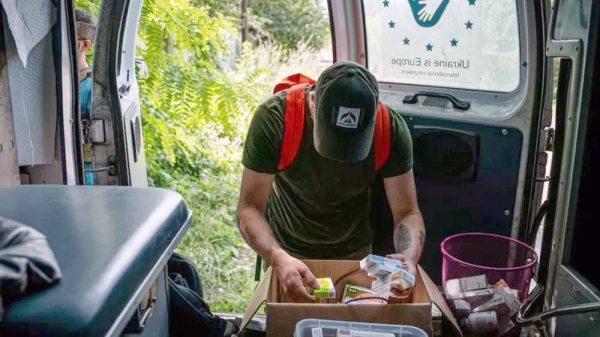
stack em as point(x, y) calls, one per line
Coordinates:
point(39, 120)
point(568, 267)
point(116, 127)
point(469, 79)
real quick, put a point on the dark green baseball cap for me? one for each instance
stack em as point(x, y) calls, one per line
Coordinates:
point(346, 99)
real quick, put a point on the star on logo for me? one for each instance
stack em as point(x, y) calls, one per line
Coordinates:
point(469, 24)
point(386, 3)
point(429, 47)
point(454, 42)
point(472, 2)
point(392, 24)
point(406, 41)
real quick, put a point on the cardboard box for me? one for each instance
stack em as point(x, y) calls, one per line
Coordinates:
point(283, 314)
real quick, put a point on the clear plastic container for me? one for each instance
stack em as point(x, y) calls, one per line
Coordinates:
point(305, 327)
point(496, 256)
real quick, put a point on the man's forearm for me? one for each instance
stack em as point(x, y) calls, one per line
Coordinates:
point(258, 234)
point(409, 236)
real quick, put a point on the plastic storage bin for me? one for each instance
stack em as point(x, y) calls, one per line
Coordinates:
point(496, 256)
point(304, 328)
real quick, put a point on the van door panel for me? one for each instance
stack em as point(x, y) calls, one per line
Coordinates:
point(472, 166)
point(567, 265)
point(116, 96)
point(482, 201)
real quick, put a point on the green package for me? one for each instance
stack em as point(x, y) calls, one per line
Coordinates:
point(326, 288)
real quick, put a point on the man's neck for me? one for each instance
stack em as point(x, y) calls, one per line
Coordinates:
point(81, 65)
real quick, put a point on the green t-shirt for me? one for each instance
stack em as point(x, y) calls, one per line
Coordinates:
point(318, 208)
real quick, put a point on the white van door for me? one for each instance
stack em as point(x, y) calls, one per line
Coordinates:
point(567, 267)
point(119, 145)
point(468, 77)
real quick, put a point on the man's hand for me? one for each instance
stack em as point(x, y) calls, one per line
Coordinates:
point(410, 267)
point(292, 274)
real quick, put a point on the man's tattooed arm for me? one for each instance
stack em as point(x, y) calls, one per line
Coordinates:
point(409, 229)
point(402, 240)
point(409, 237)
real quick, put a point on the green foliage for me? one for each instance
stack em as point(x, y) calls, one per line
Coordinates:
point(92, 6)
point(231, 8)
point(195, 116)
point(291, 22)
point(272, 62)
point(283, 22)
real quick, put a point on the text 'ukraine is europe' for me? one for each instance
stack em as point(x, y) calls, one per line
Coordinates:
point(418, 62)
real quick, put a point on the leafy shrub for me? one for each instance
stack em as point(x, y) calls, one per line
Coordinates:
point(195, 116)
point(291, 24)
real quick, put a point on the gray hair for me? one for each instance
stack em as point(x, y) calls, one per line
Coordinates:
point(85, 25)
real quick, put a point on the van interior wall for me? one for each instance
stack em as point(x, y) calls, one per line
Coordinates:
point(51, 174)
point(9, 170)
point(31, 95)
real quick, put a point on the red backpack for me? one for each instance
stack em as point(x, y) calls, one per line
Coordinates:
point(293, 126)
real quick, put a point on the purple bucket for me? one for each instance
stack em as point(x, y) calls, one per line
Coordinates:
point(496, 256)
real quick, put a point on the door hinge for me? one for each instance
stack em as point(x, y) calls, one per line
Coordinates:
point(87, 142)
point(93, 131)
point(112, 166)
point(143, 312)
point(85, 130)
point(546, 145)
point(547, 140)
point(542, 161)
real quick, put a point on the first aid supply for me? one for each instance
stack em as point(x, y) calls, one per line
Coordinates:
point(400, 279)
point(378, 266)
point(372, 260)
point(480, 322)
point(475, 298)
point(360, 295)
point(461, 308)
point(460, 285)
point(326, 289)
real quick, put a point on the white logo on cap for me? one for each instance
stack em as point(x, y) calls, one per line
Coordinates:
point(348, 117)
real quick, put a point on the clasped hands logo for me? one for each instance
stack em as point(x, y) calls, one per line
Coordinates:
point(427, 13)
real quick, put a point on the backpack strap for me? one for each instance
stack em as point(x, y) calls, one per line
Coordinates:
point(85, 73)
point(293, 129)
point(293, 124)
point(382, 136)
point(292, 80)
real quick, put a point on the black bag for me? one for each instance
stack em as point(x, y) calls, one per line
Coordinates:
point(189, 314)
point(27, 264)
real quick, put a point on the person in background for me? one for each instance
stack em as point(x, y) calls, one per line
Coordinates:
point(86, 33)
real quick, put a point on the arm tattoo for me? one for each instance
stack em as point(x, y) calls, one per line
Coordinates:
point(403, 239)
point(422, 238)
